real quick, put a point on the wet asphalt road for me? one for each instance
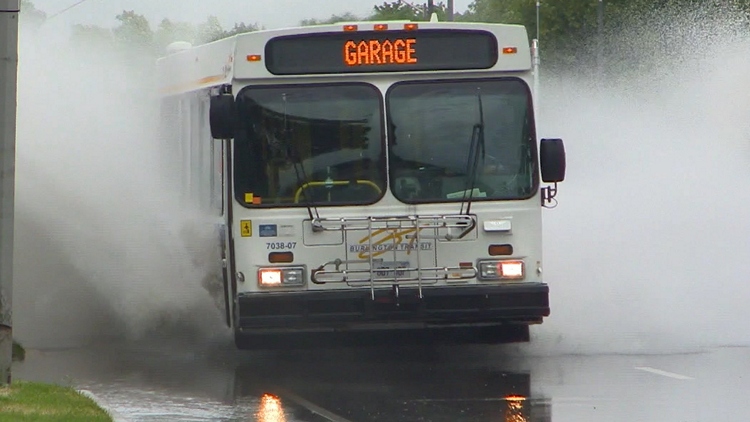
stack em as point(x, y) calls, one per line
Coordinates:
point(173, 382)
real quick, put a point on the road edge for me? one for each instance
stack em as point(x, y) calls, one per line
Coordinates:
point(116, 417)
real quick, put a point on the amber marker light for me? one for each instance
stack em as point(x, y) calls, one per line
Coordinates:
point(280, 257)
point(253, 57)
point(500, 250)
point(411, 26)
point(510, 50)
point(380, 27)
point(350, 28)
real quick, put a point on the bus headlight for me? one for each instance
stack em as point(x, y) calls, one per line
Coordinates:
point(281, 277)
point(501, 270)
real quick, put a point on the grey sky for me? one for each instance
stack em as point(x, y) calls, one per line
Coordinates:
point(269, 13)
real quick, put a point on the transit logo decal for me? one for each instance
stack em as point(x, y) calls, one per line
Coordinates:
point(389, 240)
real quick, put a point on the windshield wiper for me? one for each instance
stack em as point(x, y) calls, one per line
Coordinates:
point(476, 146)
point(296, 160)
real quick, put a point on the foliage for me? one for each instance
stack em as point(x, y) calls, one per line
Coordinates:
point(398, 10)
point(391, 11)
point(569, 29)
point(239, 28)
point(134, 30)
point(346, 17)
point(25, 401)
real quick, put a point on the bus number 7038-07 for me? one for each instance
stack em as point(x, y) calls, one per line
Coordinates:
point(277, 246)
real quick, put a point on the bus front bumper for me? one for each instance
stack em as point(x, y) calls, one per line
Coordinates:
point(356, 310)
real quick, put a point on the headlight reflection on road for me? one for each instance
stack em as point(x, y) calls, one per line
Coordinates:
point(515, 411)
point(270, 409)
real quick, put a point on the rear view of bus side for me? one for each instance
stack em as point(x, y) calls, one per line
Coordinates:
point(369, 179)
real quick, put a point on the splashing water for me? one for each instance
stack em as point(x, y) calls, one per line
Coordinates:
point(646, 252)
point(648, 249)
point(103, 246)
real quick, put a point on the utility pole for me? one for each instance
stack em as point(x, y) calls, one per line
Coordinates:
point(536, 61)
point(9, 11)
point(599, 38)
point(450, 11)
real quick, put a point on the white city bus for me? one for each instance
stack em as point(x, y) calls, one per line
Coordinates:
point(372, 178)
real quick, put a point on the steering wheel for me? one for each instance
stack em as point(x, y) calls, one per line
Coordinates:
point(330, 183)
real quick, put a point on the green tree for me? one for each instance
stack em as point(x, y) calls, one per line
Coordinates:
point(402, 10)
point(209, 30)
point(168, 32)
point(397, 10)
point(134, 30)
point(346, 17)
point(569, 29)
point(239, 28)
point(389, 11)
point(91, 36)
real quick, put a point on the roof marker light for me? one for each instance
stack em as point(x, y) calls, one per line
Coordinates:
point(380, 27)
point(510, 50)
point(411, 26)
point(350, 28)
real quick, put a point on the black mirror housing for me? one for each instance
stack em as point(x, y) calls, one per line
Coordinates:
point(222, 116)
point(552, 160)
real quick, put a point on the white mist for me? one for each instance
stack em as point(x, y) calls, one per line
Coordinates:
point(648, 249)
point(103, 247)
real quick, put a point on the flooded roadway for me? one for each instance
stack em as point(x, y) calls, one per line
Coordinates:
point(173, 382)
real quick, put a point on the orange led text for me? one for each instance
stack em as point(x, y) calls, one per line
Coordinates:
point(376, 52)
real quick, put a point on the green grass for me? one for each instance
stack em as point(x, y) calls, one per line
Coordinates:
point(26, 401)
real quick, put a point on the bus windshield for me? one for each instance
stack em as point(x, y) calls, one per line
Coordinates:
point(300, 145)
point(433, 131)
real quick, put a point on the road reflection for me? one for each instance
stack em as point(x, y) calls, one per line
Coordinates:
point(175, 383)
point(363, 385)
point(270, 409)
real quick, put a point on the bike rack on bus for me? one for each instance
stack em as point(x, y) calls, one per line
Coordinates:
point(409, 227)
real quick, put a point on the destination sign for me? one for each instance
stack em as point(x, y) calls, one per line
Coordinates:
point(376, 52)
point(381, 51)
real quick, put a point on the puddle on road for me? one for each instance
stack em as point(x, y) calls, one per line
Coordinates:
point(172, 384)
point(135, 405)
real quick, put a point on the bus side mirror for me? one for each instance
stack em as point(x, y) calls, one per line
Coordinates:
point(552, 160)
point(222, 116)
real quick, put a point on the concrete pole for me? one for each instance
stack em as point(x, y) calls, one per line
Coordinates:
point(9, 10)
point(450, 11)
point(599, 38)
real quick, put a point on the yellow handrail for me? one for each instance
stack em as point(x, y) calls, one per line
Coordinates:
point(334, 183)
